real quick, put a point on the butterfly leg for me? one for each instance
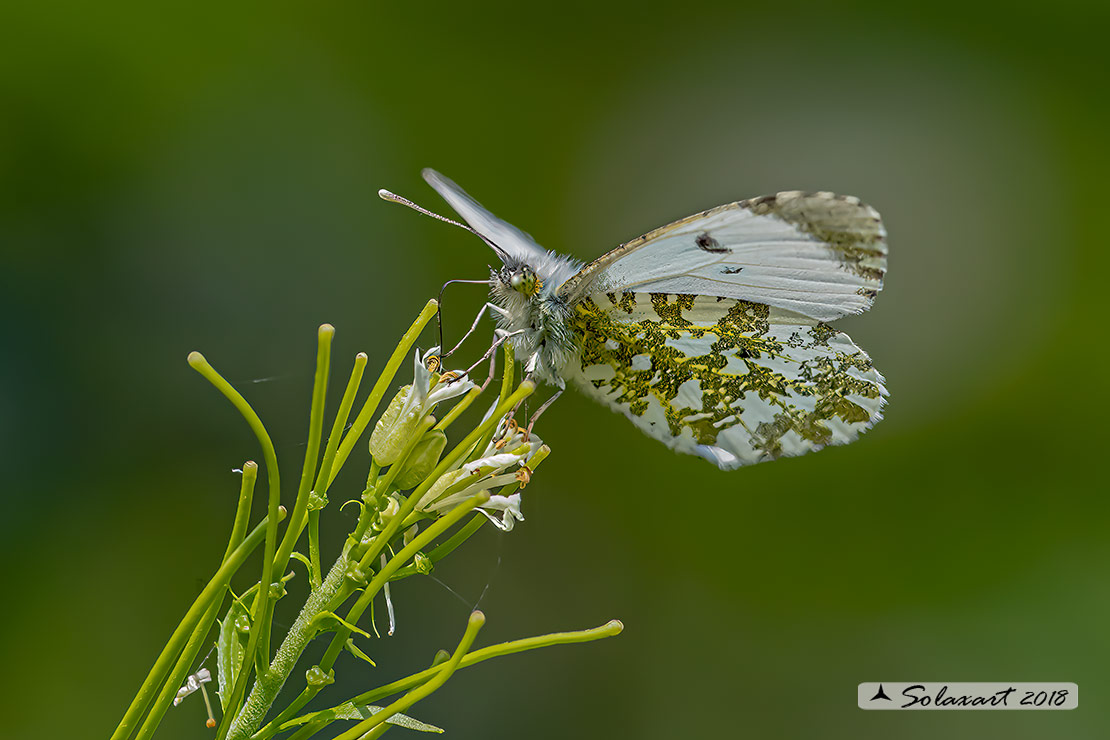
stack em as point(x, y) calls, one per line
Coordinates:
point(478, 318)
point(501, 335)
point(540, 410)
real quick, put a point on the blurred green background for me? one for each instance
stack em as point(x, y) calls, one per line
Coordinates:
point(179, 176)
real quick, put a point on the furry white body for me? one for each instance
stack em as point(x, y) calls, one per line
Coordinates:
point(542, 340)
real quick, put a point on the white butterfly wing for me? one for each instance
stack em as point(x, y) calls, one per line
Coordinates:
point(817, 254)
point(514, 242)
point(733, 382)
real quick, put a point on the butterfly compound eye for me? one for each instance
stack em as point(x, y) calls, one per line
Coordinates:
point(524, 281)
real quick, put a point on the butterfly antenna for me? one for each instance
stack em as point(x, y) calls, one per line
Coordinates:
point(394, 198)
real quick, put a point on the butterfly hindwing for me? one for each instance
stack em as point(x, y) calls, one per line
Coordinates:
point(818, 254)
point(733, 381)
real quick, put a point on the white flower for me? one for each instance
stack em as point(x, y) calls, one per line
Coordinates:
point(506, 451)
point(411, 404)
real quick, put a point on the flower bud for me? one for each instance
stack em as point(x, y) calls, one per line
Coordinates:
point(440, 487)
point(422, 563)
point(396, 425)
point(422, 460)
point(315, 676)
point(317, 501)
point(356, 574)
point(385, 516)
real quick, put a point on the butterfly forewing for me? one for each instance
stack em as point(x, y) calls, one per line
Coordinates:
point(733, 381)
point(817, 254)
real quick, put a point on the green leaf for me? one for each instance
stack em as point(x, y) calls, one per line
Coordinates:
point(350, 710)
point(354, 650)
point(324, 616)
point(230, 648)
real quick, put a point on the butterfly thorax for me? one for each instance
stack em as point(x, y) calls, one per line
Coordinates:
point(537, 317)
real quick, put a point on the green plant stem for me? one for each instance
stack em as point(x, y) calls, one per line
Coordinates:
point(508, 368)
point(312, 451)
point(261, 607)
point(200, 632)
point(458, 408)
point(323, 479)
point(381, 578)
point(314, 548)
point(304, 628)
point(609, 629)
point(243, 510)
point(443, 672)
point(380, 387)
point(262, 696)
point(180, 671)
point(162, 666)
point(446, 547)
point(308, 730)
point(377, 732)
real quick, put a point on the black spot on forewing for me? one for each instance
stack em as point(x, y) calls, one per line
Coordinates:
point(709, 244)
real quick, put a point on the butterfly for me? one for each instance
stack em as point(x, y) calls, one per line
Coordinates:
point(710, 334)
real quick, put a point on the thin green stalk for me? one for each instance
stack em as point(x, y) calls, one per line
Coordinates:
point(243, 510)
point(304, 629)
point(308, 730)
point(609, 629)
point(380, 578)
point(446, 547)
point(375, 397)
point(314, 548)
point(173, 648)
point(458, 408)
point(323, 480)
point(200, 632)
point(261, 608)
point(377, 732)
point(443, 672)
point(508, 371)
point(260, 703)
point(312, 450)
point(180, 671)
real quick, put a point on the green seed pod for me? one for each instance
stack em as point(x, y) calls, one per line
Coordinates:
point(422, 460)
point(394, 428)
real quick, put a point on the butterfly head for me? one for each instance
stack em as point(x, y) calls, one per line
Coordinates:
point(524, 280)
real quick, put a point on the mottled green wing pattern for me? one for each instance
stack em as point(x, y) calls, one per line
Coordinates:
point(732, 381)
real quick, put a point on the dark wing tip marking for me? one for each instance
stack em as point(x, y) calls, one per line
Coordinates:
point(709, 244)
